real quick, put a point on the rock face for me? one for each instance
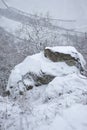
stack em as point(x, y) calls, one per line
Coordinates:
point(36, 80)
point(56, 56)
point(45, 78)
point(60, 57)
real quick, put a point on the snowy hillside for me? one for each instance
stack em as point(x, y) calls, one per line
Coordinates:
point(8, 24)
point(60, 9)
point(47, 90)
point(46, 93)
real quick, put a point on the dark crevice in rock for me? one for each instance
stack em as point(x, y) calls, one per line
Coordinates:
point(38, 79)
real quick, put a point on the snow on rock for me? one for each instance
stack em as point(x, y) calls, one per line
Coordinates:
point(38, 69)
point(66, 86)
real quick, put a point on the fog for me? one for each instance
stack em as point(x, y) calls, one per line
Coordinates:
point(62, 9)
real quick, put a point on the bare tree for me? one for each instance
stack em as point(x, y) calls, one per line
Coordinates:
point(38, 33)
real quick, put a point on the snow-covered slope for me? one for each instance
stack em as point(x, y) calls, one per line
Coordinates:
point(42, 116)
point(9, 25)
point(71, 14)
point(64, 9)
point(61, 9)
point(60, 104)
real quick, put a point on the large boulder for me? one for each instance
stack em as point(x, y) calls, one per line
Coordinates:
point(42, 68)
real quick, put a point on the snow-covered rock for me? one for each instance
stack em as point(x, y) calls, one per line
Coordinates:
point(38, 69)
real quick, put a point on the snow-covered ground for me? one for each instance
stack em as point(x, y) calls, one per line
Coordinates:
point(73, 118)
point(42, 116)
point(60, 104)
